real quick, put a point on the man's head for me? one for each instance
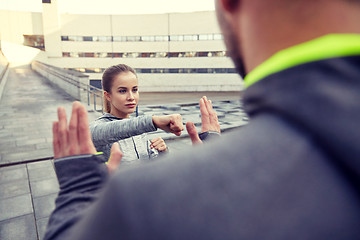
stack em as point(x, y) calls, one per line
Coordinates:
point(256, 29)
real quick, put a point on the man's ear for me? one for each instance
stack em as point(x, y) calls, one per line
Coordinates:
point(230, 5)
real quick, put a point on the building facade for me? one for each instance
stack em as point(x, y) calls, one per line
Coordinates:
point(170, 52)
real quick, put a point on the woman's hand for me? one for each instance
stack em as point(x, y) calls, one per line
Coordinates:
point(158, 144)
point(169, 123)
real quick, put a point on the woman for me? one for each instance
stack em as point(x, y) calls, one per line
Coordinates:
point(121, 96)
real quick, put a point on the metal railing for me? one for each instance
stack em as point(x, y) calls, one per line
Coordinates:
point(69, 81)
point(95, 93)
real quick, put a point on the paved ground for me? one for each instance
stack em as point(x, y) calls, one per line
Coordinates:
point(28, 184)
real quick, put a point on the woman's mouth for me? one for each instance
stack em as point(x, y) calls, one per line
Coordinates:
point(131, 105)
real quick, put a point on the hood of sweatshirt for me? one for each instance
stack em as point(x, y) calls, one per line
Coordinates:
point(321, 98)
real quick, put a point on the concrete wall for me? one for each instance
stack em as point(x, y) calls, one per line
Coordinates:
point(4, 65)
point(15, 24)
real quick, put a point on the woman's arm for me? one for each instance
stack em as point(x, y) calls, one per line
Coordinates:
point(103, 133)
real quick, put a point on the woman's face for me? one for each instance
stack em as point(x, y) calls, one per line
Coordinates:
point(124, 95)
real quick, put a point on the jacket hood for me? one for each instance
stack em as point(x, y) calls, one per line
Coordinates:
point(322, 99)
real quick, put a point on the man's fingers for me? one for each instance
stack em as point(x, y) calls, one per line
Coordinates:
point(204, 111)
point(115, 158)
point(63, 134)
point(73, 131)
point(194, 136)
point(208, 105)
point(56, 144)
point(84, 136)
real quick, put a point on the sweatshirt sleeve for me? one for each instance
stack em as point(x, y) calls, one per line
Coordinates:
point(80, 179)
point(103, 133)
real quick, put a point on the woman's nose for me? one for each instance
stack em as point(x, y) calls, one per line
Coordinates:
point(130, 96)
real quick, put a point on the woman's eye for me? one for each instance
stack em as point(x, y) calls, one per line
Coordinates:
point(135, 90)
point(122, 91)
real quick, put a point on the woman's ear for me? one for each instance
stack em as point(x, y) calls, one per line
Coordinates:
point(107, 96)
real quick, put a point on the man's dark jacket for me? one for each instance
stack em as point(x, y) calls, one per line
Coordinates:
point(291, 173)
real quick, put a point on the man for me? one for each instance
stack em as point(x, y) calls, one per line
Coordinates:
point(292, 173)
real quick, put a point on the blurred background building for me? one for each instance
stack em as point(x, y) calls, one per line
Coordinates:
point(170, 52)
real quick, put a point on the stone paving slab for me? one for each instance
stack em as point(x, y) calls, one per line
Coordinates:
point(43, 206)
point(14, 189)
point(27, 110)
point(19, 228)
point(13, 173)
point(44, 187)
point(41, 227)
point(15, 207)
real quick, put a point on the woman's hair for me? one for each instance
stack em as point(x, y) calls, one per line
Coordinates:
point(108, 78)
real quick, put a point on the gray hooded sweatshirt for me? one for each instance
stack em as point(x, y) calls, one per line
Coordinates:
point(130, 134)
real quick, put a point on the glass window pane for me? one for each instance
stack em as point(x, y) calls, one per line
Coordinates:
point(203, 37)
point(188, 37)
point(88, 39)
point(218, 37)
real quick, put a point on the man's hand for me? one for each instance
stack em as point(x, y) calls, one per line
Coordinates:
point(209, 121)
point(115, 157)
point(75, 139)
point(158, 144)
point(169, 123)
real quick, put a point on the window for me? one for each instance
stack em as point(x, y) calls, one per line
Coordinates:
point(147, 54)
point(119, 39)
point(202, 70)
point(203, 54)
point(204, 37)
point(161, 54)
point(144, 70)
point(115, 55)
point(190, 54)
point(88, 39)
point(176, 38)
point(64, 38)
point(218, 37)
point(75, 38)
point(161, 38)
point(133, 39)
point(73, 54)
point(220, 54)
point(103, 39)
point(191, 37)
point(36, 41)
point(46, 1)
point(148, 38)
point(173, 54)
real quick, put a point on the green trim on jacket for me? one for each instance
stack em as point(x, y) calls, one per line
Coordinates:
point(328, 46)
